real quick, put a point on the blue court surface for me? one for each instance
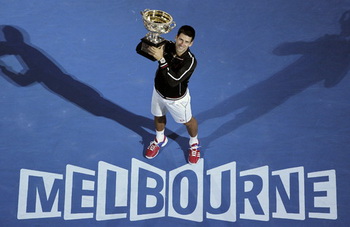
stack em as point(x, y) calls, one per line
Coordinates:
point(270, 92)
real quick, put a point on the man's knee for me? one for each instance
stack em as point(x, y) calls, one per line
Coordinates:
point(190, 122)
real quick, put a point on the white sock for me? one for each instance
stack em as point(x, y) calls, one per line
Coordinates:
point(160, 136)
point(194, 140)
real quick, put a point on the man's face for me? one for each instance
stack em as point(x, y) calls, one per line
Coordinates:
point(182, 43)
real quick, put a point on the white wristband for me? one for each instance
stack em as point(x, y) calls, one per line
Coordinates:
point(162, 61)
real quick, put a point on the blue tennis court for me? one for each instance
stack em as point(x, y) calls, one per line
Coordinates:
point(270, 93)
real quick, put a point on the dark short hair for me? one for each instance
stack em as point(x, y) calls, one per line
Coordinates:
point(187, 30)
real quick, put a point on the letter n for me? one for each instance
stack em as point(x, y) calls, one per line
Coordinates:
point(290, 193)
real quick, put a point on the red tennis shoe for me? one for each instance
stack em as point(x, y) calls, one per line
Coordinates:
point(154, 147)
point(194, 154)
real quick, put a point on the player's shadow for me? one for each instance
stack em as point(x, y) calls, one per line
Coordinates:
point(39, 68)
point(326, 59)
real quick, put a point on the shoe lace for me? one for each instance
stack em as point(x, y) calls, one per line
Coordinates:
point(153, 145)
point(194, 150)
point(195, 146)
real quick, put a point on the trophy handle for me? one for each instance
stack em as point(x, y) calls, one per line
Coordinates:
point(145, 10)
point(172, 25)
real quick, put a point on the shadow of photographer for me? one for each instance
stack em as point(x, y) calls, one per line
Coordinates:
point(324, 60)
point(41, 69)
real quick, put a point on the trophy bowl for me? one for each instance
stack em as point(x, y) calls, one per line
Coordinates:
point(157, 22)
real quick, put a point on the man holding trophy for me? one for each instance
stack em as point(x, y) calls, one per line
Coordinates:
point(176, 64)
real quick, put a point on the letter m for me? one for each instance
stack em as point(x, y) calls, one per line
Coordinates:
point(38, 195)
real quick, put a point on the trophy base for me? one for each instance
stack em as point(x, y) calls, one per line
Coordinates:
point(142, 48)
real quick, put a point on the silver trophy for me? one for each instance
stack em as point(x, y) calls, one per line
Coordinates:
point(157, 22)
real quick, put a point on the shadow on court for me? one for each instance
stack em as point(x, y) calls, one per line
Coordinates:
point(39, 68)
point(324, 60)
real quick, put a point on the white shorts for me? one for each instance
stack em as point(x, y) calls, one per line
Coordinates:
point(179, 109)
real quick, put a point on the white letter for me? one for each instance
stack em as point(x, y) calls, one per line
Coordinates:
point(298, 198)
point(186, 194)
point(84, 186)
point(120, 191)
point(216, 192)
point(147, 191)
point(328, 201)
point(257, 189)
point(45, 187)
